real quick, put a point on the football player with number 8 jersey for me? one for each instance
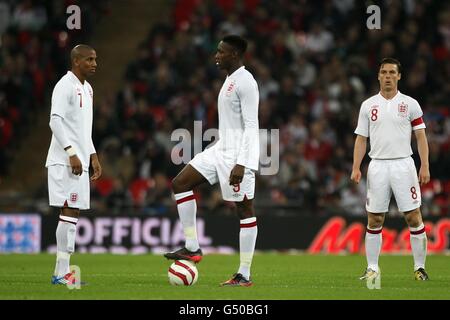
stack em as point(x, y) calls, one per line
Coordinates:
point(388, 120)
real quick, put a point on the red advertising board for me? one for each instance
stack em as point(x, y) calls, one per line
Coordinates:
point(337, 236)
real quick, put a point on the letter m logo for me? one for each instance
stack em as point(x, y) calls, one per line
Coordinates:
point(332, 238)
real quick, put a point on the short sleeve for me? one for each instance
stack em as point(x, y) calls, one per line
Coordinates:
point(363, 122)
point(415, 115)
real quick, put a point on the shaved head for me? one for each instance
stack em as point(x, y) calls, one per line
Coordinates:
point(80, 51)
point(83, 60)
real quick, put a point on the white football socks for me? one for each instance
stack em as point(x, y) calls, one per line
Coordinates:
point(247, 241)
point(187, 211)
point(418, 239)
point(373, 247)
point(65, 244)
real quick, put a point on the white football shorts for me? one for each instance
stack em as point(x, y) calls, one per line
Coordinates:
point(215, 167)
point(67, 189)
point(394, 175)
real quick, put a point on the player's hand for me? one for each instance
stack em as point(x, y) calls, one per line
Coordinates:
point(356, 175)
point(75, 164)
point(97, 168)
point(237, 174)
point(424, 175)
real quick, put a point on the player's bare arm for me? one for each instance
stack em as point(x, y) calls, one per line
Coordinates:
point(237, 174)
point(422, 146)
point(95, 163)
point(358, 155)
point(75, 163)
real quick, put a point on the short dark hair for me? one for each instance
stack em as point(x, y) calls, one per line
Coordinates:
point(391, 61)
point(237, 42)
point(76, 51)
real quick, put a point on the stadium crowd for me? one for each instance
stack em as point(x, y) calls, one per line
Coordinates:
point(314, 61)
point(34, 47)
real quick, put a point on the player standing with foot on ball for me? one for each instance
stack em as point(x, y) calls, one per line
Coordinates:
point(388, 119)
point(231, 162)
point(71, 153)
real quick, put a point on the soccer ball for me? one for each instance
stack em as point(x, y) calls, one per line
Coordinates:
point(183, 273)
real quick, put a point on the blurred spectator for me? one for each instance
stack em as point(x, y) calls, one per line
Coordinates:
point(29, 16)
point(314, 64)
point(34, 46)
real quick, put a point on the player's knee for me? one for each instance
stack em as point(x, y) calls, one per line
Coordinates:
point(245, 212)
point(180, 184)
point(375, 225)
point(70, 212)
point(413, 218)
point(375, 221)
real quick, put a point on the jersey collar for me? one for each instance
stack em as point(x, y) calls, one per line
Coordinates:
point(396, 95)
point(74, 78)
point(237, 71)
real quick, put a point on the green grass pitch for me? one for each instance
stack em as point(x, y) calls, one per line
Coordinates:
point(276, 277)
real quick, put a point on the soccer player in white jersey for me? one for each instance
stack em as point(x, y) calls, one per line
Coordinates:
point(71, 153)
point(231, 162)
point(388, 119)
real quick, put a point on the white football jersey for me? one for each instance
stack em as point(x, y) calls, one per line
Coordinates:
point(389, 124)
point(238, 119)
point(72, 101)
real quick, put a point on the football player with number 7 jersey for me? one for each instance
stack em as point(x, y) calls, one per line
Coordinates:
point(71, 154)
